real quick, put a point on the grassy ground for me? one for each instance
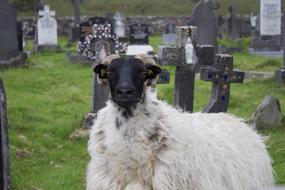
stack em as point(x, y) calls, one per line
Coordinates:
point(46, 103)
point(146, 7)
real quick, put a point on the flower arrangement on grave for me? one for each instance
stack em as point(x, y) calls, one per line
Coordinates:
point(100, 31)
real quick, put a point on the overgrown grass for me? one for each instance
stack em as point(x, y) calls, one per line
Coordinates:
point(46, 103)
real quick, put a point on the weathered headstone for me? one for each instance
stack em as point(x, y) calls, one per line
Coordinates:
point(46, 37)
point(268, 41)
point(75, 29)
point(10, 54)
point(222, 75)
point(270, 17)
point(5, 181)
point(119, 25)
point(178, 55)
point(204, 18)
point(268, 113)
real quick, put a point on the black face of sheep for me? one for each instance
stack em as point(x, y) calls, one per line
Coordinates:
point(126, 78)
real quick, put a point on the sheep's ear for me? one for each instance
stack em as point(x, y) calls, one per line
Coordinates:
point(152, 71)
point(101, 70)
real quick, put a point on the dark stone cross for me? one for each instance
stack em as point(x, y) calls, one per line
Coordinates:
point(75, 31)
point(5, 180)
point(222, 75)
point(232, 22)
point(185, 73)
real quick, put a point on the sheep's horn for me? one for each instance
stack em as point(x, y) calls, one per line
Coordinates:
point(109, 59)
point(146, 59)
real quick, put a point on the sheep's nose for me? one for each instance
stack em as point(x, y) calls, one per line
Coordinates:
point(124, 92)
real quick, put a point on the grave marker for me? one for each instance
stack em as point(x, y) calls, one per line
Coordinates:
point(119, 25)
point(139, 40)
point(139, 34)
point(222, 75)
point(10, 54)
point(270, 17)
point(204, 18)
point(185, 72)
point(5, 181)
point(46, 30)
point(75, 29)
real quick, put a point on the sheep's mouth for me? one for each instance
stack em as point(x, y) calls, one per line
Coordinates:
point(125, 102)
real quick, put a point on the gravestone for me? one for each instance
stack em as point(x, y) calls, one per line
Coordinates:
point(139, 34)
point(46, 34)
point(97, 40)
point(10, 54)
point(5, 181)
point(268, 41)
point(178, 55)
point(222, 75)
point(270, 17)
point(204, 18)
point(232, 21)
point(75, 32)
point(169, 36)
point(280, 73)
point(139, 40)
point(119, 25)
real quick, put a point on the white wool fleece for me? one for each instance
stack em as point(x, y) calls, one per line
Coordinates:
point(161, 148)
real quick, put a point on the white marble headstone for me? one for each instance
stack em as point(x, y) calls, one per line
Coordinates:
point(47, 27)
point(270, 17)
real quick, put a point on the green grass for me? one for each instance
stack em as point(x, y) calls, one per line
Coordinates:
point(46, 103)
point(146, 7)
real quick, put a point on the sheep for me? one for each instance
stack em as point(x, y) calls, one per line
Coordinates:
point(141, 143)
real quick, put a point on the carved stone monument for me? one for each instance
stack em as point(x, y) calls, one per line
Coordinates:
point(185, 69)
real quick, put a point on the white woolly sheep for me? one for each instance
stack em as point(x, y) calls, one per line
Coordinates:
point(141, 143)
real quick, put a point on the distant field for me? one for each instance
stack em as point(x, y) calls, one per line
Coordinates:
point(145, 7)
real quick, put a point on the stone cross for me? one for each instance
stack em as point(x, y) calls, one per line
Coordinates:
point(46, 12)
point(5, 181)
point(222, 76)
point(76, 5)
point(232, 33)
point(185, 73)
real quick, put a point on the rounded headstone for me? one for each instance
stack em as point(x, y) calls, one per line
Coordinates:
point(268, 113)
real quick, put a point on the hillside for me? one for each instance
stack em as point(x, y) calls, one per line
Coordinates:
point(145, 7)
